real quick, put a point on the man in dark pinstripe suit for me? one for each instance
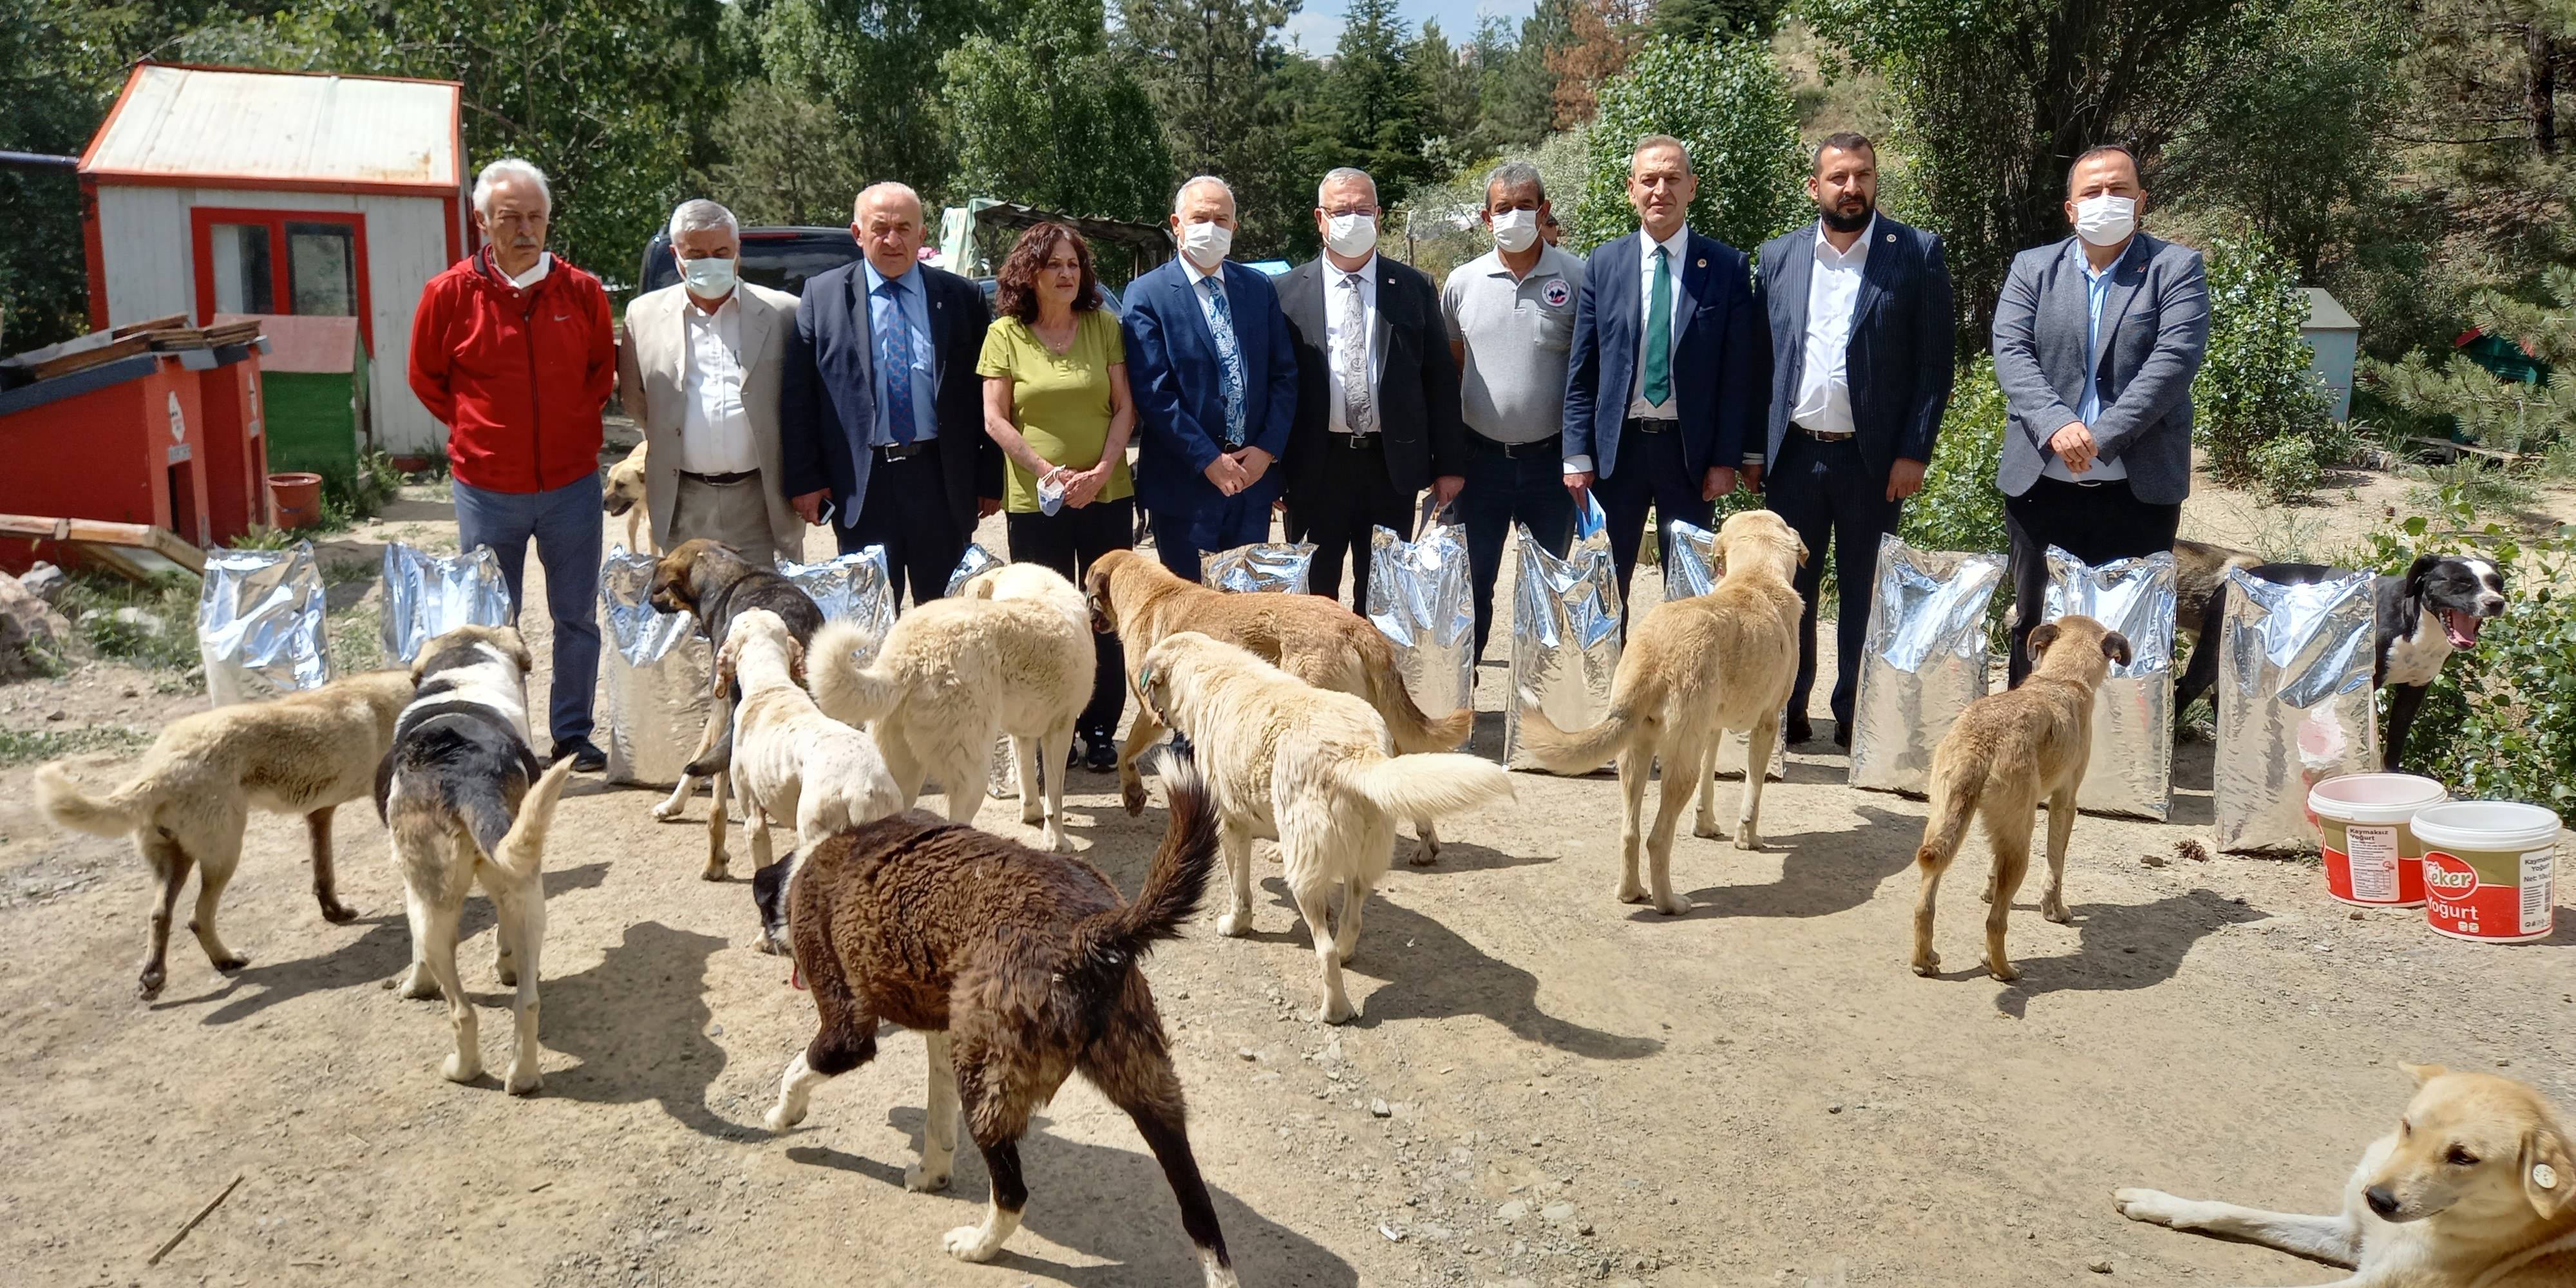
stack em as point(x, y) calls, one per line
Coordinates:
point(1861, 340)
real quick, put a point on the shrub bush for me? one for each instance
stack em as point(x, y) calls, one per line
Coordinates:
point(2255, 385)
point(1728, 101)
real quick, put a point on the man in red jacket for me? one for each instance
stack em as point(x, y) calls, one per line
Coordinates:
point(511, 349)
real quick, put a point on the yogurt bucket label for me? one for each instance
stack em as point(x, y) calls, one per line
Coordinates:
point(2376, 864)
point(2372, 852)
point(2491, 895)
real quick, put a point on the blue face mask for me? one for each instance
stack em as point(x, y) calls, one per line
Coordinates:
point(708, 278)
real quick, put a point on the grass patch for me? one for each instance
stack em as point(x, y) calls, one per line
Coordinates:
point(27, 746)
point(159, 634)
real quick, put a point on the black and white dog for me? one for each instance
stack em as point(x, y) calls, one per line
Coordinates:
point(2437, 608)
point(466, 802)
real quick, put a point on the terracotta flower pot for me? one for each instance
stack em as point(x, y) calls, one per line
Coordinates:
point(296, 499)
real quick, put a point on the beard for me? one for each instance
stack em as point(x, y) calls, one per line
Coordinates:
point(1848, 223)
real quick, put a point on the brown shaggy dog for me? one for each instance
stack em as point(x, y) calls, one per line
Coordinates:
point(1019, 967)
point(2010, 753)
point(1308, 636)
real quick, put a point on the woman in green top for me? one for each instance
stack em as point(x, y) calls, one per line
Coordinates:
point(1056, 400)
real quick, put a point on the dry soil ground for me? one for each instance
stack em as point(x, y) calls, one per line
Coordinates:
point(1545, 1086)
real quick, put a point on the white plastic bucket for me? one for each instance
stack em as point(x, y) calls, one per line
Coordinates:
point(2488, 870)
point(2372, 857)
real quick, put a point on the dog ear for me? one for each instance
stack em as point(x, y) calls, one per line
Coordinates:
point(2416, 571)
point(2115, 646)
point(2548, 1174)
point(795, 660)
point(2423, 1073)
point(2041, 636)
point(1802, 549)
point(723, 682)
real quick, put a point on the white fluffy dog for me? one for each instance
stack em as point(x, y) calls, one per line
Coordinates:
point(1010, 654)
point(791, 761)
point(1310, 769)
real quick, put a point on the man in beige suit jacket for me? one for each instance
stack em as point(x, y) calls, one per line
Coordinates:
point(700, 372)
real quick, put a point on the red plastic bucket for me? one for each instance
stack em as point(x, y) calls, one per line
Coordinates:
point(296, 499)
point(2372, 858)
point(2489, 869)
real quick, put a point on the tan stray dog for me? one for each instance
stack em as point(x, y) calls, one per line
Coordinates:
point(467, 804)
point(791, 762)
point(1308, 636)
point(2009, 754)
point(1308, 768)
point(1010, 654)
point(303, 753)
point(624, 495)
point(1695, 667)
point(2475, 1189)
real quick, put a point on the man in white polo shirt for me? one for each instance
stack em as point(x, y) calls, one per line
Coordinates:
point(1511, 323)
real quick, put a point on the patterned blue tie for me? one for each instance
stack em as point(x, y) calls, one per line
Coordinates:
point(894, 357)
point(1229, 355)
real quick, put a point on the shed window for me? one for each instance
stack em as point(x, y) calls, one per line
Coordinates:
point(304, 262)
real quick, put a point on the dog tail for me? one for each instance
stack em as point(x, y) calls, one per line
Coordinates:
point(522, 849)
point(1955, 791)
point(846, 691)
point(64, 802)
point(1105, 944)
point(1428, 784)
point(1412, 728)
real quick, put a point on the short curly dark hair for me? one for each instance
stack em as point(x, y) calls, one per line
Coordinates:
point(1016, 284)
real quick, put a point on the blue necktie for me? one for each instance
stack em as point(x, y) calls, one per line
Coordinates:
point(894, 357)
point(1229, 357)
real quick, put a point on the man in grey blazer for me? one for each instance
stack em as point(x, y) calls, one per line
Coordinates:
point(699, 372)
point(2096, 341)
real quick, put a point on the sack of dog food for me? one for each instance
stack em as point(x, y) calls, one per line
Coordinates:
point(2294, 702)
point(1266, 565)
point(999, 779)
point(1417, 597)
point(2131, 771)
point(1565, 631)
point(1692, 570)
point(658, 671)
point(260, 624)
point(850, 588)
point(1923, 660)
point(427, 595)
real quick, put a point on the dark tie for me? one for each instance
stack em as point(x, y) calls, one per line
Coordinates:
point(1659, 333)
point(894, 356)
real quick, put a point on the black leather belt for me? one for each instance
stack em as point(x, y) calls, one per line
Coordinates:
point(1515, 451)
point(1652, 425)
point(722, 480)
point(905, 451)
point(1354, 442)
point(1824, 436)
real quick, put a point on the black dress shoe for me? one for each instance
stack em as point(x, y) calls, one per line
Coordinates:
point(1798, 731)
point(1103, 748)
point(1842, 734)
point(587, 758)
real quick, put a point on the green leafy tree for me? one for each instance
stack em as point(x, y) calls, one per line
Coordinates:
point(2259, 409)
point(1728, 101)
point(1373, 112)
point(876, 63)
point(43, 294)
point(1452, 100)
point(1048, 117)
point(2457, 393)
point(782, 157)
point(1518, 91)
point(1229, 98)
point(1709, 19)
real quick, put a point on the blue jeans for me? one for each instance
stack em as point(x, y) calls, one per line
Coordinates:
point(565, 524)
point(1500, 491)
point(1233, 521)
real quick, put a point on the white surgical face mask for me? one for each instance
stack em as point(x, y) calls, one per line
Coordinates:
point(2106, 220)
point(708, 278)
point(1351, 236)
point(1206, 243)
point(1514, 230)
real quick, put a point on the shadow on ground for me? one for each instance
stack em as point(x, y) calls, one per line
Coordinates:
point(638, 1022)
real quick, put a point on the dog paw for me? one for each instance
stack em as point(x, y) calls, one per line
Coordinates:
point(966, 1243)
point(1928, 964)
point(509, 978)
point(1708, 830)
point(338, 913)
point(2155, 1207)
point(1234, 925)
point(148, 985)
point(233, 963)
point(1632, 894)
point(523, 1083)
point(1747, 839)
point(1672, 905)
point(921, 1182)
point(458, 1067)
point(1033, 814)
point(670, 811)
point(1337, 1011)
point(2005, 971)
point(714, 871)
point(416, 985)
point(2058, 914)
point(1131, 793)
point(778, 1119)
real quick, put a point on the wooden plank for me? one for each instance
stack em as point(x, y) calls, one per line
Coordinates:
point(86, 358)
point(156, 324)
point(137, 550)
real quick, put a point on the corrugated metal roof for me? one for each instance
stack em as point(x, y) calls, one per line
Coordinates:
point(2325, 313)
point(246, 127)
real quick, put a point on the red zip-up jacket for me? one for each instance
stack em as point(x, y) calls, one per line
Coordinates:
point(518, 377)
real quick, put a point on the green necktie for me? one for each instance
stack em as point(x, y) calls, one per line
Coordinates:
point(1659, 333)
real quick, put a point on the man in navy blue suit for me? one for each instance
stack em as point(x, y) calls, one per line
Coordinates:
point(880, 411)
point(1861, 340)
point(1666, 384)
point(1214, 373)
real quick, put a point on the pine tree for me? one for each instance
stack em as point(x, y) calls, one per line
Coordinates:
point(1374, 113)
